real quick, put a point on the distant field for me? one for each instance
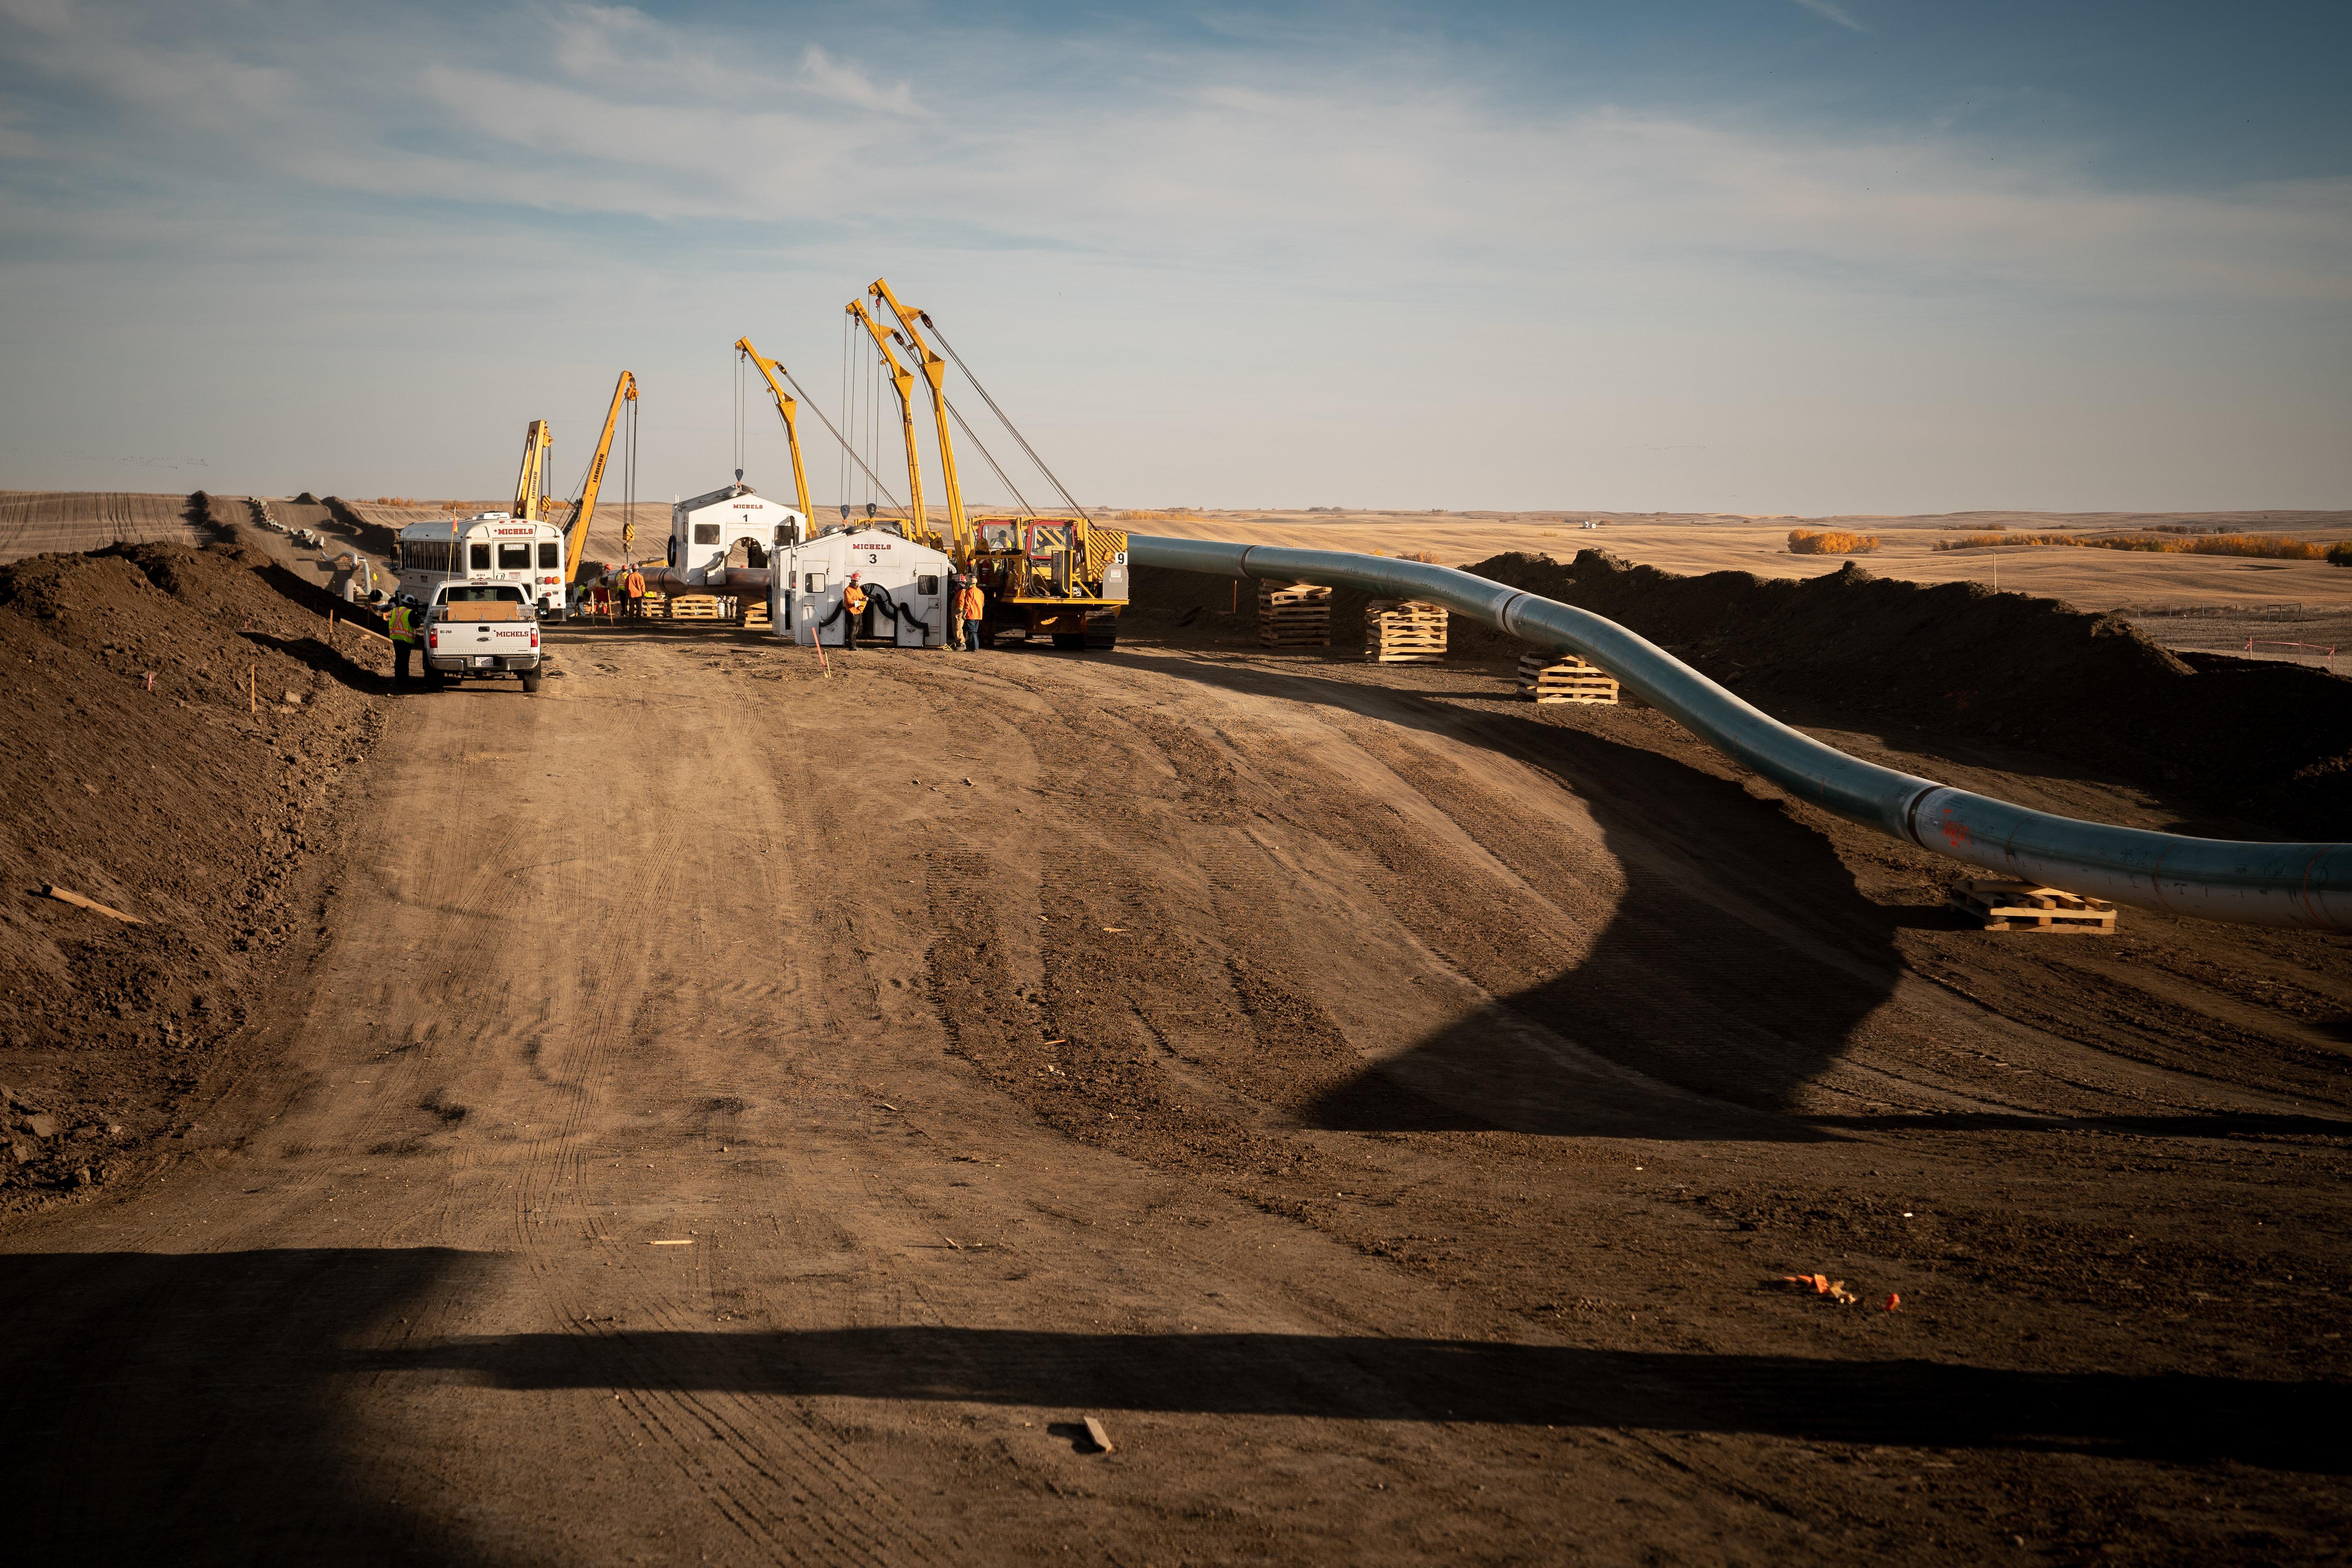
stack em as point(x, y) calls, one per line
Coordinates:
point(2093, 579)
point(2184, 601)
point(2208, 602)
point(37, 522)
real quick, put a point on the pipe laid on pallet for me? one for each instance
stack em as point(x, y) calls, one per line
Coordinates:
point(2213, 879)
point(739, 581)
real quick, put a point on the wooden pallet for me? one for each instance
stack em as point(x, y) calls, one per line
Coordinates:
point(696, 607)
point(1295, 616)
point(1564, 678)
point(2006, 905)
point(751, 613)
point(1403, 632)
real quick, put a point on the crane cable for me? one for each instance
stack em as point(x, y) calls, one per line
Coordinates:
point(925, 316)
point(629, 481)
point(794, 383)
point(841, 463)
point(1026, 509)
point(970, 436)
point(811, 404)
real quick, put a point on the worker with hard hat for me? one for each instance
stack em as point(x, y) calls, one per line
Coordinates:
point(969, 606)
point(634, 585)
point(853, 608)
point(402, 621)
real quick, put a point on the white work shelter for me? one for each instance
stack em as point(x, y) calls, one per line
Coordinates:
point(907, 587)
point(706, 531)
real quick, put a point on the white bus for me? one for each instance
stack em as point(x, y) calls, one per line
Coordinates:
point(487, 547)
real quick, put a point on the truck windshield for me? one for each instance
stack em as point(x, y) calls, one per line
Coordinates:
point(484, 593)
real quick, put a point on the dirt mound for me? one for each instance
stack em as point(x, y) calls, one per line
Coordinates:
point(177, 724)
point(1196, 609)
point(2265, 742)
point(376, 538)
point(2261, 742)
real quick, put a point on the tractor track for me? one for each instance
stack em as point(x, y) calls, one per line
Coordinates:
point(749, 1114)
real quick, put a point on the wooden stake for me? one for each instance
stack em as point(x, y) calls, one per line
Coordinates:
point(252, 702)
point(67, 896)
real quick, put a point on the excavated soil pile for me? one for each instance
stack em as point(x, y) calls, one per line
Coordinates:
point(136, 771)
point(2266, 743)
point(376, 538)
point(1194, 608)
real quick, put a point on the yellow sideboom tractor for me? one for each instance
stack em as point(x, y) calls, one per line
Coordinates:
point(1059, 577)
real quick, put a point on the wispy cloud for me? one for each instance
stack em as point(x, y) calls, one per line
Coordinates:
point(1832, 13)
point(1189, 191)
point(845, 83)
point(649, 121)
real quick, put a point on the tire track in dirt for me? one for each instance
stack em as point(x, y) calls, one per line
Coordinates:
point(734, 1453)
point(1143, 873)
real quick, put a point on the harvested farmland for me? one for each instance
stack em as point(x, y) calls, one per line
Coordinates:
point(2259, 546)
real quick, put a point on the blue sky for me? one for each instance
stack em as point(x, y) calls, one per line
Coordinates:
point(1763, 256)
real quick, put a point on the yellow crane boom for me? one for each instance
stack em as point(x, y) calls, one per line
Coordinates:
point(791, 412)
point(935, 371)
point(903, 381)
point(575, 535)
point(530, 483)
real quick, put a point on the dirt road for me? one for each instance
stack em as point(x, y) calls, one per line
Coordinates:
point(740, 1114)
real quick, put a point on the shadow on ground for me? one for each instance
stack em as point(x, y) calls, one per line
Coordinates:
point(168, 1408)
point(2293, 1426)
point(1734, 971)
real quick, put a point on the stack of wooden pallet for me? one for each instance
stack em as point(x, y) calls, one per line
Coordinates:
point(751, 612)
point(2006, 905)
point(693, 607)
point(1564, 678)
point(1296, 616)
point(1403, 632)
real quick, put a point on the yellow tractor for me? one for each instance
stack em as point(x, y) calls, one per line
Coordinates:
point(1063, 577)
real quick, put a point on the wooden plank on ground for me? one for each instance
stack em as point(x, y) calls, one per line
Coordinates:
point(67, 896)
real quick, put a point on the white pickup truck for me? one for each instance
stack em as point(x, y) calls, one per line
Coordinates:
point(476, 630)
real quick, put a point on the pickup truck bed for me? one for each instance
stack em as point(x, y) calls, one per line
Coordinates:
point(478, 634)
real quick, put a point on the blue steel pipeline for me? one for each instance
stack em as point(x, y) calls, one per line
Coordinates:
point(2213, 879)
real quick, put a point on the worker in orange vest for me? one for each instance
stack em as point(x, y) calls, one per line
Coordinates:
point(634, 585)
point(969, 606)
point(853, 608)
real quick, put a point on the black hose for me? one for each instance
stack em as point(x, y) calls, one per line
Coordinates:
point(879, 597)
